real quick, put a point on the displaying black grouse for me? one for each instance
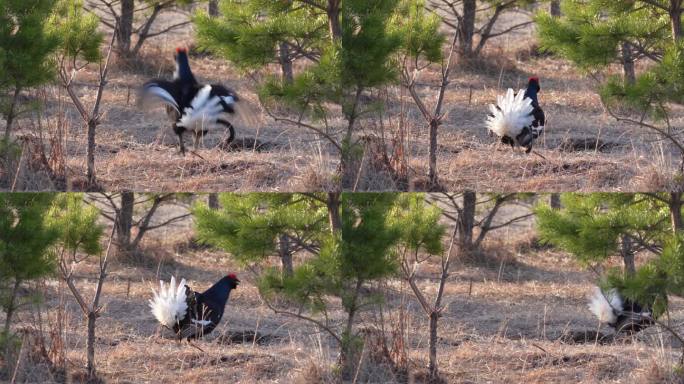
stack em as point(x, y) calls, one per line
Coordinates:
point(517, 118)
point(620, 313)
point(193, 107)
point(188, 313)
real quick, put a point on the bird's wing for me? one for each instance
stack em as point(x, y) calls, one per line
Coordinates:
point(232, 103)
point(165, 91)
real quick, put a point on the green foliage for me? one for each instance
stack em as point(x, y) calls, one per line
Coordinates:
point(591, 33)
point(248, 33)
point(418, 224)
point(362, 252)
point(420, 31)
point(25, 44)
point(248, 226)
point(654, 89)
point(25, 237)
point(25, 47)
point(589, 227)
point(343, 60)
point(25, 244)
point(76, 223)
point(369, 43)
point(76, 30)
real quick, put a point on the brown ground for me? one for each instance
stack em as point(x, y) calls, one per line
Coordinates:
point(502, 324)
point(583, 148)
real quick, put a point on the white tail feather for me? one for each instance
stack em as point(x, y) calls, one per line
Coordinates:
point(204, 110)
point(513, 114)
point(162, 94)
point(605, 306)
point(169, 305)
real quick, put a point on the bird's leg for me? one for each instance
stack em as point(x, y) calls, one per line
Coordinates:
point(529, 149)
point(179, 131)
point(182, 145)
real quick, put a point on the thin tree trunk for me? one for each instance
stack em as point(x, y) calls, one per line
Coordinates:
point(628, 255)
point(334, 19)
point(333, 205)
point(468, 220)
point(285, 254)
point(628, 63)
point(432, 167)
point(8, 320)
point(432, 365)
point(125, 222)
point(213, 8)
point(144, 33)
point(286, 63)
point(90, 152)
point(555, 8)
point(468, 27)
point(126, 26)
point(676, 211)
point(347, 356)
point(555, 201)
point(11, 306)
point(349, 166)
point(11, 113)
point(90, 345)
point(676, 19)
point(214, 201)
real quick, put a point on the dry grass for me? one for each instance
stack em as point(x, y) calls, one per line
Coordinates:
point(502, 324)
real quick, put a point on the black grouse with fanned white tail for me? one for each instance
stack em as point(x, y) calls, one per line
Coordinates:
point(622, 314)
point(517, 118)
point(193, 107)
point(191, 314)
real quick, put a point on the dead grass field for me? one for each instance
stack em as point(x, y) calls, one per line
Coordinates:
point(583, 148)
point(502, 324)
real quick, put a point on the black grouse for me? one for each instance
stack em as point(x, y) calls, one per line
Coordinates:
point(193, 107)
point(188, 313)
point(517, 118)
point(620, 313)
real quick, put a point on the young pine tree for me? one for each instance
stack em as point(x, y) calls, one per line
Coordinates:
point(26, 241)
point(421, 240)
point(79, 238)
point(25, 52)
point(255, 33)
point(355, 54)
point(351, 257)
point(255, 226)
point(597, 33)
point(79, 46)
point(594, 228)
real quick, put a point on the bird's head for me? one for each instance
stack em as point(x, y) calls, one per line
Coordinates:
point(534, 82)
point(233, 281)
point(181, 51)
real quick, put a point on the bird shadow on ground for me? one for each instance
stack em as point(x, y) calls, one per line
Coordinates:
point(248, 144)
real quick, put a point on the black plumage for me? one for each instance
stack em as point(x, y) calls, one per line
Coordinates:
point(528, 134)
point(205, 309)
point(193, 107)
